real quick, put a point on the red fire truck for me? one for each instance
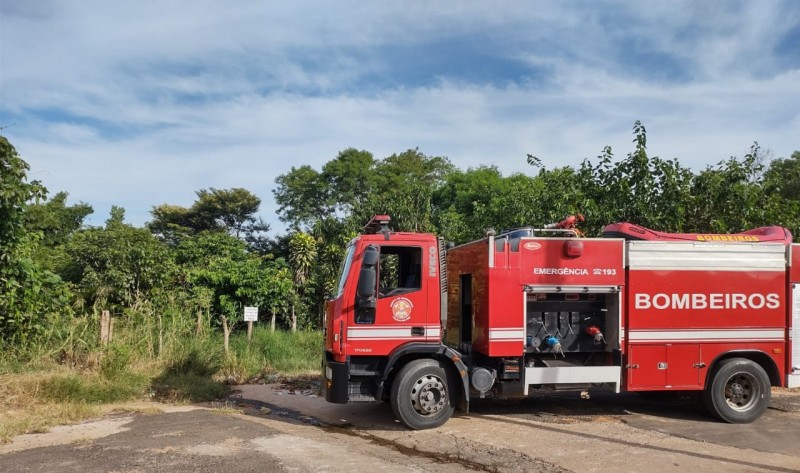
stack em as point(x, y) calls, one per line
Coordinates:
point(427, 327)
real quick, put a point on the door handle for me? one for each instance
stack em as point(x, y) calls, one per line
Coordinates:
point(417, 331)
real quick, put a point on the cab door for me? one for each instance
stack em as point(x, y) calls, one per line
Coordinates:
point(402, 296)
point(401, 310)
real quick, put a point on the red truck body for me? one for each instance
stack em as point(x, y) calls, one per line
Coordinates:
point(532, 309)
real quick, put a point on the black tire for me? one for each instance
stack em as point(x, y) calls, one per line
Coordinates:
point(422, 395)
point(739, 392)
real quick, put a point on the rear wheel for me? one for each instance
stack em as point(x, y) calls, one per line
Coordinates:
point(421, 395)
point(739, 392)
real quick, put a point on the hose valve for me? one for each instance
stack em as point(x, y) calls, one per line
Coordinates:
point(595, 332)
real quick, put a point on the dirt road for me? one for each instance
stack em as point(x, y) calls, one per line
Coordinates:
point(288, 428)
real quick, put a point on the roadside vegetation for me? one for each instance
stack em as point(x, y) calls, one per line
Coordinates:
point(177, 286)
point(71, 377)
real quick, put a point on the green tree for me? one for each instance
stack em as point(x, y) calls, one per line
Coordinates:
point(471, 201)
point(55, 219)
point(783, 177)
point(641, 189)
point(729, 197)
point(459, 202)
point(302, 196)
point(302, 254)
point(353, 187)
point(278, 290)
point(348, 180)
point(233, 210)
point(199, 250)
point(234, 283)
point(220, 269)
point(171, 223)
point(16, 193)
point(404, 188)
point(28, 293)
point(782, 192)
point(225, 210)
point(117, 266)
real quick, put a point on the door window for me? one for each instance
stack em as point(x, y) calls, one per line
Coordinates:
point(400, 271)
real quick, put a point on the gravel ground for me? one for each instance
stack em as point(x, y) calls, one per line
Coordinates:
point(289, 428)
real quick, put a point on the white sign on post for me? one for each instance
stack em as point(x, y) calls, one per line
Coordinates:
point(251, 314)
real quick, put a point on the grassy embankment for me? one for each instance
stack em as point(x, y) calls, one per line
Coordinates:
point(66, 376)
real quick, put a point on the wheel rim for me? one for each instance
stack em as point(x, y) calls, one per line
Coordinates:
point(742, 391)
point(428, 395)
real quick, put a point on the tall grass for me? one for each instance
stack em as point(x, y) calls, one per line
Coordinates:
point(65, 374)
point(273, 352)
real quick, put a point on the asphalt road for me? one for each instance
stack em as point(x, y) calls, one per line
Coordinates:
point(288, 428)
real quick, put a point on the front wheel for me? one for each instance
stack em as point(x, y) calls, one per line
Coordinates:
point(422, 396)
point(739, 392)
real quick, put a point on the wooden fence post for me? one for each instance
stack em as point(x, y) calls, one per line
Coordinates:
point(106, 328)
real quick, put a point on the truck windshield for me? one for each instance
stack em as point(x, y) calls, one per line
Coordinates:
point(348, 260)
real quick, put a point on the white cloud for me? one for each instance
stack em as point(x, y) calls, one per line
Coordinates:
point(142, 103)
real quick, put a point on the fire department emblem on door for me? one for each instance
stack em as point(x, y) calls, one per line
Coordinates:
point(401, 309)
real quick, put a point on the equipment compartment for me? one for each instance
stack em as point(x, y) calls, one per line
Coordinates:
point(571, 322)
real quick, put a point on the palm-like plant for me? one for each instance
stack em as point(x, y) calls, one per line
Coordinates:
point(302, 254)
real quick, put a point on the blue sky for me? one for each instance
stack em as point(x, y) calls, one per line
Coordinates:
point(142, 103)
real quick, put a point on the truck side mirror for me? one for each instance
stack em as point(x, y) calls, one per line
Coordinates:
point(370, 257)
point(367, 278)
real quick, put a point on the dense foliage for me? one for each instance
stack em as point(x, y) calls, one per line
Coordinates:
point(206, 262)
point(28, 293)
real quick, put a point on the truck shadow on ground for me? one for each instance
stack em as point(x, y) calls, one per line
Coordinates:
point(313, 410)
point(563, 408)
point(675, 414)
point(567, 407)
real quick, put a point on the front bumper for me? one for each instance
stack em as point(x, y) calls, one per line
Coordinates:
point(335, 377)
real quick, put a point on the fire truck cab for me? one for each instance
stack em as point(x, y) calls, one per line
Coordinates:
point(428, 327)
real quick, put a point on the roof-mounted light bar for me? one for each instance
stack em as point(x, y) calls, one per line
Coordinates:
point(378, 224)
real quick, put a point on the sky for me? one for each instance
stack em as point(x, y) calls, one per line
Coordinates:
point(141, 103)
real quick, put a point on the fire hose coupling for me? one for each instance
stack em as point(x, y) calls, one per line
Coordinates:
point(553, 343)
point(533, 342)
point(595, 332)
